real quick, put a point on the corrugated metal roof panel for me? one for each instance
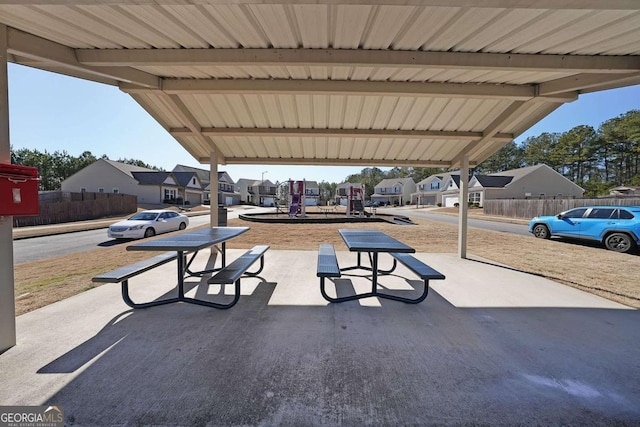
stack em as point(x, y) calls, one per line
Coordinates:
point(329, 25)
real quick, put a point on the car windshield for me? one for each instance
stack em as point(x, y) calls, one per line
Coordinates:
point(144, 216)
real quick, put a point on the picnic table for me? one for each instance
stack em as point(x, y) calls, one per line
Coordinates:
point(372, 243)
point(178, 247)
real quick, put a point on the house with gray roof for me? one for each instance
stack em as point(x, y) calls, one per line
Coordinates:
point(227, 192)
point(539, 181)
point(148, 185)
point(429, 190)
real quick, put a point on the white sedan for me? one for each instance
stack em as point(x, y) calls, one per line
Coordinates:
point(147, 224)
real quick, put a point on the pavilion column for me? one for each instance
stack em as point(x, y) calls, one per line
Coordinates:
point(463, 207)
point(7, 293)
point(213, 187)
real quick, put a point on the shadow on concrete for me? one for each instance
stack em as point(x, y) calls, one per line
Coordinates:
point(349, 364)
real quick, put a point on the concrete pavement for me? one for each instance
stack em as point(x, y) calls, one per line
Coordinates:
point(490, 345)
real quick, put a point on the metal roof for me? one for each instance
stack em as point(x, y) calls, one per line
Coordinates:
point(342, 82)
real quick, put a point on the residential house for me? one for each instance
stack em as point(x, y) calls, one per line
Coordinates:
point(148, 185)
point(204, 175)
point(227, 194)
point(255, 192)
point(394, 191)
point(429, 190)
point(242, 187)
point(344, 189)
point(539, 181)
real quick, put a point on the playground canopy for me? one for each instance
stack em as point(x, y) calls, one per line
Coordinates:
point(443, 83)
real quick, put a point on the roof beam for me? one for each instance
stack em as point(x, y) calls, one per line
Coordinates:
point(341, 133)
point(349, 87)
point(588, 82)
point(178, 108)
point(52, 54)
point(329, 162)
point(514, 110)
point(508, 4)
point(354, 58)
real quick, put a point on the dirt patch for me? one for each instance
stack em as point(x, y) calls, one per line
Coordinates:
point(593, 269)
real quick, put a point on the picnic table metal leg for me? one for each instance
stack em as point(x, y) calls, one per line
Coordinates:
point(340, 299)
point(422, 297)
point(127, 299)
point(181, 272)
point(370, 267)
point(222, 251)
point(374, 277)
point(236, 298)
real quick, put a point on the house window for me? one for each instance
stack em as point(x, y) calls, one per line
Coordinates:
point(194, 181)
point(169, 193)
point(474, 198)
point(100, 190)
point(435, 185)
point(83, 189)
point(116, 190)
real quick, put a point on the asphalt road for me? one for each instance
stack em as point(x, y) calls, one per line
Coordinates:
point(504, 227)
point(45, 247)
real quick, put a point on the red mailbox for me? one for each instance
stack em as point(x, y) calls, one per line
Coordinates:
point(18, 190)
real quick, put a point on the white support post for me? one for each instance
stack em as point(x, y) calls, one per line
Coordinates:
point(213, 187)
point(7, 293)
point(463, 204)
point(303, 201)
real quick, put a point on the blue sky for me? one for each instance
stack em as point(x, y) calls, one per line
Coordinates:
point(53, 112)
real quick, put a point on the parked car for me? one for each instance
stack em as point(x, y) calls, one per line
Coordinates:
point(617, 227)
point(147, 224)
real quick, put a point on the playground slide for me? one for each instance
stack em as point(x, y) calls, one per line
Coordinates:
point(293, 209)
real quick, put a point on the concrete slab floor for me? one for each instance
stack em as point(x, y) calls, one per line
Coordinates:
point(488, 346)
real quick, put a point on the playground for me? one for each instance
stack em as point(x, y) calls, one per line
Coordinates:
point(298, 206)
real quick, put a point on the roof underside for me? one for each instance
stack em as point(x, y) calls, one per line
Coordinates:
point(419, 83)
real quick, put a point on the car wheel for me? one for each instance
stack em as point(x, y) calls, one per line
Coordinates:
point(541, 231)
point(149, 232)
point(619, 242)
point(182, 226)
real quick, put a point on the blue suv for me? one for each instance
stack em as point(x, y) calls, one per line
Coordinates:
point(617, 227)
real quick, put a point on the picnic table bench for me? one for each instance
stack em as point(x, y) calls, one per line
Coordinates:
point(233, 272)
point(123, 274)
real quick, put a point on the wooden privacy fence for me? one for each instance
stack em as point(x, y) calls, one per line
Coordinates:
point(59, 207)
point(521, 208)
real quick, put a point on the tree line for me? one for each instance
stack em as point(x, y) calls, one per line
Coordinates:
point(53, 168)
point(595, 159)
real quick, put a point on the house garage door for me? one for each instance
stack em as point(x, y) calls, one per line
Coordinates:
point(449, 202)
point(194, 198)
